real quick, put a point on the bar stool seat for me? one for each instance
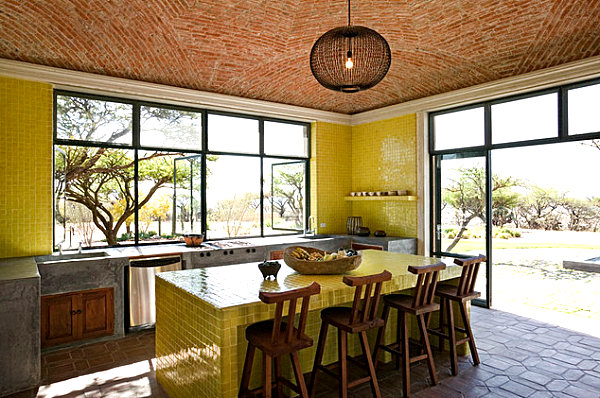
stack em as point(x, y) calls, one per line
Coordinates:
point(362, 316)
point(449, 292)
point(340, 317)
point(276, 338)
point(421, 304)
point(461, 294)
point(405, 303)
point(259, 334)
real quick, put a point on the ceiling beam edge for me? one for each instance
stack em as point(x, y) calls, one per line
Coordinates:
point(133, 89)
point(571, 72)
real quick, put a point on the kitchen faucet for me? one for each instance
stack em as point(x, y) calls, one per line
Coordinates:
point(311, 226)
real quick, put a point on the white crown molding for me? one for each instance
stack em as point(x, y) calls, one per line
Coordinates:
point(134, 89)
point(99, 84)
point(584, 69)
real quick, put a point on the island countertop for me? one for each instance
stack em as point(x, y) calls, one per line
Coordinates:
point(202, 315)
point(239, 284)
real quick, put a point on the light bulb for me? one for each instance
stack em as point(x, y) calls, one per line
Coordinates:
point(349, 63)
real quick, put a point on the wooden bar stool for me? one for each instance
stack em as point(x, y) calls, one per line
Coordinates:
point(362, 316)
point(277, 337)
point(461, 294)
point(421, 304)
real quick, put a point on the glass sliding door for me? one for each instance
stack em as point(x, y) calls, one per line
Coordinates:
point(461, 210)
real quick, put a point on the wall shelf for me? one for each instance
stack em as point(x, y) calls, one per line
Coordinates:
point(403, 198)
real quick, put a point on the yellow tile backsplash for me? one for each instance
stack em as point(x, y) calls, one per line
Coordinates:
point(26, 168)
point(330, 175)
point(377, 156)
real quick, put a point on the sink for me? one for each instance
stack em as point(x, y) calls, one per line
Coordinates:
point(315, 237)
point(52, 258)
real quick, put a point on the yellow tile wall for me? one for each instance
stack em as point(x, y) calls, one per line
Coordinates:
point(25, 168)
point(377, 156)
point(384, 158)
point(330, 175)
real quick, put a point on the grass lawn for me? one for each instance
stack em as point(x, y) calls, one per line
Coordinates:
point(473, 245)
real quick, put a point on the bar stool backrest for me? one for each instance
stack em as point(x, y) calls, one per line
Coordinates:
point(468, 277)
point(427, 277)
point(365, 306)
point(291, 297)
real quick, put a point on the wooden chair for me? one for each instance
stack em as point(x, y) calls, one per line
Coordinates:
point(362, 316)
point(420, 304)
point(279, 337)
point(461, 294)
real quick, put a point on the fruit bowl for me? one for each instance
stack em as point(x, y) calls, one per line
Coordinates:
point(322, 267)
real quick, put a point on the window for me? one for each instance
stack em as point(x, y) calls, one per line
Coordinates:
point(233, 134)
point(129, 172)
point(525, 119)
point(459, 129)
point(584, 113)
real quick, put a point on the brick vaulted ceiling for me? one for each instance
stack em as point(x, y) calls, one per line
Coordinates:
point(260, 48)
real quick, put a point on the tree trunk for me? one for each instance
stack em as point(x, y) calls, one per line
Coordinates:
point(460, 233)
point(111, 238)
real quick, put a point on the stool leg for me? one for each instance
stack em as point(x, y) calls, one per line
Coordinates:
point(452, 338)
point(399, 339)
point(474, 355)
point(442, 310)
point(267, 385)
point(364, 342)
point(403, 341)
point(298, 373)
point(425, 338)
point(381, 335)
point(247, 370)
point(278, 377)
point(318, 358)
point(343, 353)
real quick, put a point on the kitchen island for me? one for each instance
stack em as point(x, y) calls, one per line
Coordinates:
point(202, 314)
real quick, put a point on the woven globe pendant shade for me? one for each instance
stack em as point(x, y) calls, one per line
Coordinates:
point(350, 59)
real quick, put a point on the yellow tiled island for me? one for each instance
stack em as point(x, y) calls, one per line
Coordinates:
point(202, 314)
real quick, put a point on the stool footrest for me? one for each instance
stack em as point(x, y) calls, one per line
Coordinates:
point(417, 358)
point(459, 329)
point(462, 341)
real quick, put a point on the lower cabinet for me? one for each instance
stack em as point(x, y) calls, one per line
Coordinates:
point(77, 316)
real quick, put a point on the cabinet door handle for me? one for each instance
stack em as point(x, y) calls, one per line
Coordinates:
point(75, 312)
point(78, 311)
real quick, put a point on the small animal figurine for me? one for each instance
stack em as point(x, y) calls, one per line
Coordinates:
point(269, 268)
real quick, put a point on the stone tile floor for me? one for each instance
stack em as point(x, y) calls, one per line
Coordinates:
point(520, 357)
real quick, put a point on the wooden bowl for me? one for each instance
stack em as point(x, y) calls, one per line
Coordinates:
point(193, 240)
point(337, 266)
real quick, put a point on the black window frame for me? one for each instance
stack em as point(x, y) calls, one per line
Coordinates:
point(135, 146)
point(435, 157)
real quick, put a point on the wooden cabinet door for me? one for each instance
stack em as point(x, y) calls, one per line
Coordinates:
point(58, 324)
point(97, 313)
point(76, 316)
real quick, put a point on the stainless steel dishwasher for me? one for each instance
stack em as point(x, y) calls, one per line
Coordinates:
point(140, 286)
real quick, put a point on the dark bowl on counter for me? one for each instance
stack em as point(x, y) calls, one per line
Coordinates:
point(193, 240)
point(363, 231)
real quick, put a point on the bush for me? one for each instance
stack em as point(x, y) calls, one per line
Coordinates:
point(125, 236)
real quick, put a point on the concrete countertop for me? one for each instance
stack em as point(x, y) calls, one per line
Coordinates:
point(18, 268)
point(180, 248)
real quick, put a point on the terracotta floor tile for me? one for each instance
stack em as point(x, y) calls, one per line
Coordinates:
point(520, 357)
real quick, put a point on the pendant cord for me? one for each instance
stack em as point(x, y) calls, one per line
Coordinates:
point(348, 12)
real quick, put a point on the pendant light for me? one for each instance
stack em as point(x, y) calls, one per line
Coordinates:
point(350, 58)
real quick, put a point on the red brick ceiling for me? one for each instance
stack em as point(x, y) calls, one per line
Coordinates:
point(260, 48)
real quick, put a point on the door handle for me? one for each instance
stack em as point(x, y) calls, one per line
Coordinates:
point(75, 312)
